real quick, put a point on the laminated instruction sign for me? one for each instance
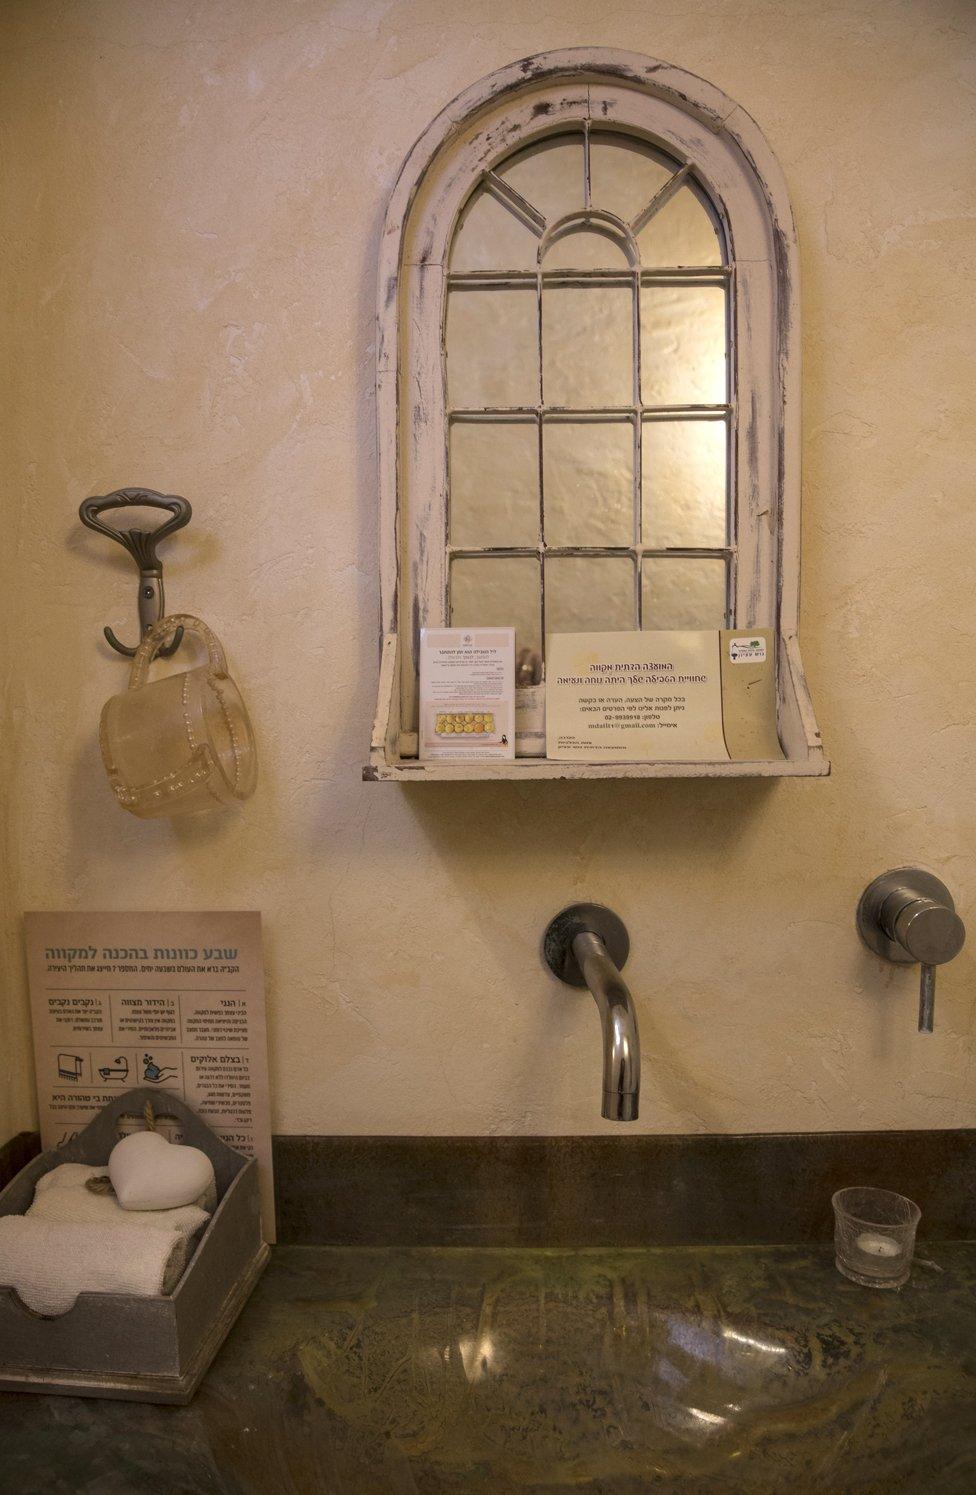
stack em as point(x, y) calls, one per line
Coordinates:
point(661, 696)
point(169, 1001)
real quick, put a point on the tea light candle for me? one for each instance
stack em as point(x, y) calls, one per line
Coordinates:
point(877, 1245)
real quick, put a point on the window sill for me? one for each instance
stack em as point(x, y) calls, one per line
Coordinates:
point(524, 770)
point(798, 731)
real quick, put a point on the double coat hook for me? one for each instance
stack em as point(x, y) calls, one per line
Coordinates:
point(141, 545)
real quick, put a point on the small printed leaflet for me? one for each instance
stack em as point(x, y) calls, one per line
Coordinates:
point(467, 693)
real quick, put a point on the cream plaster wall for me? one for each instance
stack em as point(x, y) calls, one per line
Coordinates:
point(193, 191)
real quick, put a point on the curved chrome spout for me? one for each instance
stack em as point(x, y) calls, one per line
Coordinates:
point(621, 1041)
point(586, 945)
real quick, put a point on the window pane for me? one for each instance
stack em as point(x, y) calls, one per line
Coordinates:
point(683, 345)
point(587, 346)
point(683, 232)
point(489, 236)
point(590, 594)
point(683, 483)
point(499, 592)
point(626, 174)
point(492, 347)
point(591, 248)
point(549, 175)
point(588, 474)
point(684, 592)
point(494, 483)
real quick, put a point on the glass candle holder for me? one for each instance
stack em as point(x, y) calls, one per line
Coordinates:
point(874, 1236)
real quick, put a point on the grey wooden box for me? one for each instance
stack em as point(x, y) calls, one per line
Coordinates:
point(139, 1349)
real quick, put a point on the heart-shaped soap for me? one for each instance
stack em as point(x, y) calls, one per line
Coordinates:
point(147, 1172)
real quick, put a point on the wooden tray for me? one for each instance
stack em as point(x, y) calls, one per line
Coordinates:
point(117, 1345)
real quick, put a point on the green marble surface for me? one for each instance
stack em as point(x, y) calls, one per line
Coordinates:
point(585, 1372)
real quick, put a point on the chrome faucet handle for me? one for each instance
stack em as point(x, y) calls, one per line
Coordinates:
point(908, 916)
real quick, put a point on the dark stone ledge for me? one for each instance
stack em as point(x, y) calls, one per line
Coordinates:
point(771, 1189)
point(16, 1154)
point(763, 1189)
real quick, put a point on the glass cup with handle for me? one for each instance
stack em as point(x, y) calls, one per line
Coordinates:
point(182, 743)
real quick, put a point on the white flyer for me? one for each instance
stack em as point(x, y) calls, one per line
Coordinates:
point(170, 1001)
point(467, 693)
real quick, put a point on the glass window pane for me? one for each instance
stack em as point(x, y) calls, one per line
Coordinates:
point(494, 483)
point(683, 592)
point(683, 232)
point(499, 592)
point(626, 174)
point(590, 594)
point(548, 175)
point(492, 347)
point(683, 345)
point(588, 476)
point(683, 483)
point(587, 346)
point(591, 248)
point(489, 236)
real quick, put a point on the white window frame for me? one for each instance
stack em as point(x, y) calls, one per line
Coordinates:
point(543, 96)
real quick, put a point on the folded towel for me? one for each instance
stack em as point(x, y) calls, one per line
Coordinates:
point(62, 1195)
point(76, 1175)
point(49, 1263)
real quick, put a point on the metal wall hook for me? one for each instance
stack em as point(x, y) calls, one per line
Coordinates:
point(141, 545)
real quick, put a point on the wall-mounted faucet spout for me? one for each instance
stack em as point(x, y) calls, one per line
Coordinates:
point(586, 945)
point(621, 1044)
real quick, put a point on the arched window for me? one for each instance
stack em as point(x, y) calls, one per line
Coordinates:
point(587, 385)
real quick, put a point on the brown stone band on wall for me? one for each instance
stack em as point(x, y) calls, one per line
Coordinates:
point(16, 1154)
point(600, 1191)
point(611, 1191)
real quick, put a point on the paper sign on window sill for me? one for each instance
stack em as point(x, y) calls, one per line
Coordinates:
point(467, 693)
point(661, 697)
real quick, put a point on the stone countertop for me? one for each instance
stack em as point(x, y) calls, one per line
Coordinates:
point(585, 1372)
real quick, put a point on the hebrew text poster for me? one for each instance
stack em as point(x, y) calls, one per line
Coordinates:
point(173, 1002)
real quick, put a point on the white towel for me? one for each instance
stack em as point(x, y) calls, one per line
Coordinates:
point(62, 1195)
point(49, 1263)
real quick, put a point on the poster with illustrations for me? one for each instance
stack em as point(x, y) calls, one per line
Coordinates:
point(170, 1001)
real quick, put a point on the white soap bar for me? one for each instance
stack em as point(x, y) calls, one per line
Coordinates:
point(147, 1172)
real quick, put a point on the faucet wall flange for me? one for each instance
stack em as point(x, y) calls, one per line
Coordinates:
point(583, 918)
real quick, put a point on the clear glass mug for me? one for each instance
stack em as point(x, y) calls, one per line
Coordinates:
point(183, 743)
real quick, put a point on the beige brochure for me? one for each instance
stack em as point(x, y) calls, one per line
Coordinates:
point(661, 697)
point(170, 1001)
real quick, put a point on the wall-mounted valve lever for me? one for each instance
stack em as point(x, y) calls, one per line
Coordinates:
point(908, 916)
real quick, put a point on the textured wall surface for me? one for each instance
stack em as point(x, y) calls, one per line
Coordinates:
point(193, 193)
